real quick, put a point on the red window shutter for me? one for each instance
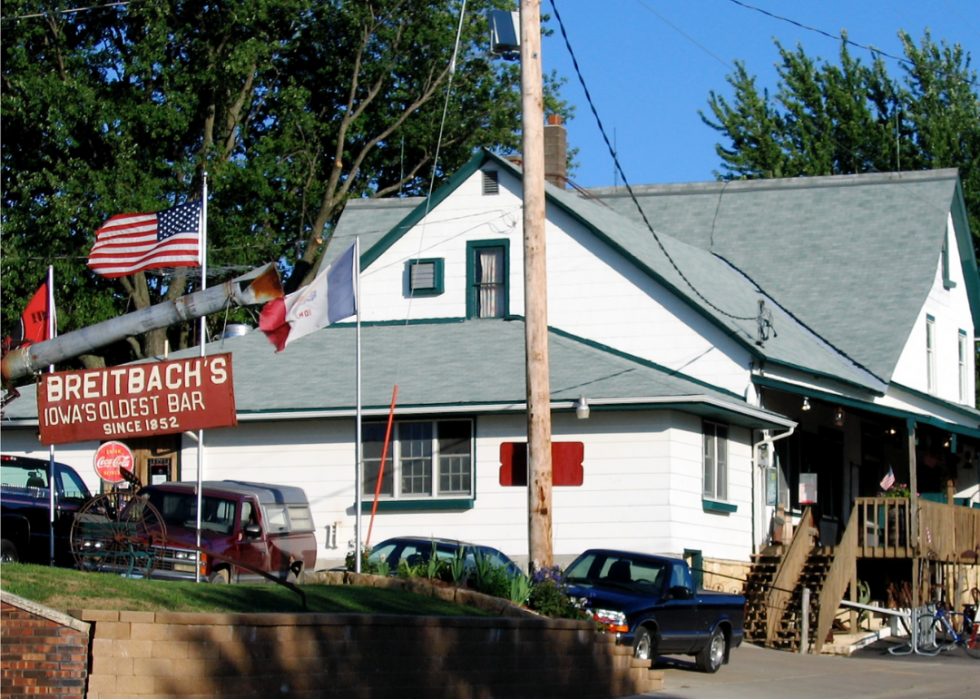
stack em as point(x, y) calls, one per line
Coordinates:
point(566, 463)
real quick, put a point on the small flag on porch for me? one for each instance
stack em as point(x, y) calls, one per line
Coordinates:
point(889, 480)
point(327, 299)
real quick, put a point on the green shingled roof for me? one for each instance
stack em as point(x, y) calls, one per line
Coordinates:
point(853, 257)
point(369, 219)
point(473, 366)
point(722, 291)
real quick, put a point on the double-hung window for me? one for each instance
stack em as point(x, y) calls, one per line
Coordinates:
point(964, 367)
point(715, 463)
point(487, 273)
point(426, 459)
point(930, 354)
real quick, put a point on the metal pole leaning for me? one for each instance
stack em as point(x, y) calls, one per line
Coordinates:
point(805, 624)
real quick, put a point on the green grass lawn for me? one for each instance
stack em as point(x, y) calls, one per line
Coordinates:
point(63, 589)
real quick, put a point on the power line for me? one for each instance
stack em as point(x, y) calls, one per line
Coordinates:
point(619, 167)
point(70, 11)
point(872, 49)
point(686, 35)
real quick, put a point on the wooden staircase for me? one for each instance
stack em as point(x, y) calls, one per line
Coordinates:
point(759, 581)
point(774, 588)
point(790, 624)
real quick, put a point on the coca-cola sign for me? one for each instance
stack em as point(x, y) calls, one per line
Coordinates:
point(111, 459)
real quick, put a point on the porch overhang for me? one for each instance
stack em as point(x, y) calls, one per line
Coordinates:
point(908, 416)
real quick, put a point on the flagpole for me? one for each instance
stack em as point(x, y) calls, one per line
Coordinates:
point(203, 245)
point(52, 331)
point(359, 471)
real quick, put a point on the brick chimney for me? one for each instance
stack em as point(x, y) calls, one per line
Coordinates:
point(555, 147)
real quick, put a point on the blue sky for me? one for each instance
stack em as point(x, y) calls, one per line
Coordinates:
point(648, 80)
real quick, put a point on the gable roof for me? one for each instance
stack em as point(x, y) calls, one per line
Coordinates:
point(466, 367)
point(852, 256)
point(724, 295)
point(369, 219)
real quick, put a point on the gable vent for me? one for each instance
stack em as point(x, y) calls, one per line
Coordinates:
point(490, 182)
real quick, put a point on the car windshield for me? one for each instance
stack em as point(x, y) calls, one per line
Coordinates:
point(618, 570)
point(180, 510)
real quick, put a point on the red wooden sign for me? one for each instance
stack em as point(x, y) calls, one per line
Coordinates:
point(137, 400)
point(111, 459)
point(566, 463)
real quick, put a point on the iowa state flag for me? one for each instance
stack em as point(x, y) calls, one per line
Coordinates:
point(327, 299)
point(33, 325)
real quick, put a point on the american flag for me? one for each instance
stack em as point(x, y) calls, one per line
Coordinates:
point(889, 480)
point(130, 243)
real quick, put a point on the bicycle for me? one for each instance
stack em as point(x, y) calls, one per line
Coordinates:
point(945, 636)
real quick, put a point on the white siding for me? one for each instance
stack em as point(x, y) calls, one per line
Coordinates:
point(951, 310)
point(641, 491)
point(593, 291)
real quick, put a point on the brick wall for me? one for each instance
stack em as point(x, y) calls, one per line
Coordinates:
point(156, 655)
point(42, 652)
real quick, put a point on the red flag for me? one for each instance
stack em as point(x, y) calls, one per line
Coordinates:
point(33, 325)
point(130, 243)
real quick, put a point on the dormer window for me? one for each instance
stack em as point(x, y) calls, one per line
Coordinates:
point(425, 277)
point(487, 274)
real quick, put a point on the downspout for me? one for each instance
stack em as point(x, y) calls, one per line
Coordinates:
point(755, 460)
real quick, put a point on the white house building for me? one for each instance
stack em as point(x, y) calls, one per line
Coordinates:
point(765, 332)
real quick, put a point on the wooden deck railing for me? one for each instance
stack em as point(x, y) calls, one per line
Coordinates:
point(946, 532)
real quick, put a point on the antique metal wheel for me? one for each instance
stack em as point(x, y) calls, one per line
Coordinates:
point(118, 532)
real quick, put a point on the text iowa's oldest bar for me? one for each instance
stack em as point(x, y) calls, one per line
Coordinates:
point(137, 400)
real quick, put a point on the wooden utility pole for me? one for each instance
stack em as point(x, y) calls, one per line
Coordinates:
point(535, 293)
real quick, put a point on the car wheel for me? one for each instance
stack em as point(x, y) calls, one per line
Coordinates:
point(8, 552)
point(644, 647)
point(710, 658)
point(220, 577)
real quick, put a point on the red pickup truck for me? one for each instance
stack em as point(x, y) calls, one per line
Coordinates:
point(265, 526)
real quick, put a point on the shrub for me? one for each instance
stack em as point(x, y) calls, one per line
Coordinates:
point(549, 595)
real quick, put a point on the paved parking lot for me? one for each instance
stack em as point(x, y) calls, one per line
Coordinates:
point(759, 673)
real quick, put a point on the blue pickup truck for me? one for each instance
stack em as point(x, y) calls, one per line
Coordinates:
point(25, 509)
point(651, 603)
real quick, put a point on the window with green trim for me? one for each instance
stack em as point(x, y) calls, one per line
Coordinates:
point(963, 346)
point(715, 462)
point(930, 354)
point(487, 274)
point(425, 459)
point(947, 282)
point(425, 277)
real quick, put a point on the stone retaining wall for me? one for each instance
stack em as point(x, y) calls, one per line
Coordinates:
point(156, 655)
point(151, 655)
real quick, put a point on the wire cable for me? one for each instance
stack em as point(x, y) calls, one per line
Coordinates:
point(619, 168)
point(901, 60)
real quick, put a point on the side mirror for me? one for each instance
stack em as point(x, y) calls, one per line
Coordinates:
point(253, 531)
point(680, 592)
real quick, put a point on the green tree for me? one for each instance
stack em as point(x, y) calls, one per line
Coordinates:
point(290, 106)
point(848, 117)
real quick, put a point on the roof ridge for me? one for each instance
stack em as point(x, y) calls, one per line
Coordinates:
point(779, 183)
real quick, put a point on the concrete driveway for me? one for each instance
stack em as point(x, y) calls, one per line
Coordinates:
point(760, 673)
